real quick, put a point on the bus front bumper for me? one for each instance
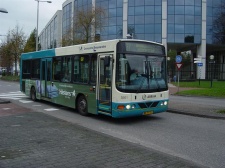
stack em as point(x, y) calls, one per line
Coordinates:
point(138, 109)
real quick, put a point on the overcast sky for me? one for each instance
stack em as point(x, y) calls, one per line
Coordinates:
point(24, 14)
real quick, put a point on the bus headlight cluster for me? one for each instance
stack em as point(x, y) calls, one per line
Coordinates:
point(126, 107)
point(164, 103)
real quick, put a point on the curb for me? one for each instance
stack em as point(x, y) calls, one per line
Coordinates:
point(194, 114)
point(4, 101)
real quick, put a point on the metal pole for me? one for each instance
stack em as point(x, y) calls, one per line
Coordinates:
point(178, 80)
point(199, 75)
point(37, 25)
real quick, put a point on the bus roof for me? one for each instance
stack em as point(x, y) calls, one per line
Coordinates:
point(98, 47)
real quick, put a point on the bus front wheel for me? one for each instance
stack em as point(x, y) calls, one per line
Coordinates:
point(82, 105)
point(33, 94)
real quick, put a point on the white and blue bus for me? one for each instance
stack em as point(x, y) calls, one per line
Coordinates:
point(118, 78)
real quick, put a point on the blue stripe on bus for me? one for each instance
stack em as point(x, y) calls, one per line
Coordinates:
point(133, 113)
point(136, 112)
point(38, 54)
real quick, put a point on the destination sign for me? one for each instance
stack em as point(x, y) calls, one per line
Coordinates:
point(141, 47)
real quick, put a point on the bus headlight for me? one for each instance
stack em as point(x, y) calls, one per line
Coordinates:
point(164, 103)
point(128, 107)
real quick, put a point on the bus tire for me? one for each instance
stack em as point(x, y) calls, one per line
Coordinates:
point(82, 105)
point(33, 94)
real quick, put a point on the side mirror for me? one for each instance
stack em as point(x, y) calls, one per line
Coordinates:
point(107, 61)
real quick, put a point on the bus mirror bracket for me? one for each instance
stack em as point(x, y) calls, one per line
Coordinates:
point(107, 61)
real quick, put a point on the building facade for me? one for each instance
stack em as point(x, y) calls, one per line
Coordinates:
point(51, 35)
point(181, 25)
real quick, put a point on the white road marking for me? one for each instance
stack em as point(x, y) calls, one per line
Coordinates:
point(6, 108)
point(13, 95)
point(51, 109)
point(25, 101)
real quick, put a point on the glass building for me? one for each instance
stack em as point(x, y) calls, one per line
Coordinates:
point(50, 36)
point(181, 25)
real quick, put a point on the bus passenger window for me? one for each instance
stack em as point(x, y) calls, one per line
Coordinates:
point(66, 77)
point(94, 69)
point(56, 68)
point(81, 69)
point(26, 69)
point(35, 69)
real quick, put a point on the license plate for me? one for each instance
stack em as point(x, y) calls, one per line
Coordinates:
point(148, 113)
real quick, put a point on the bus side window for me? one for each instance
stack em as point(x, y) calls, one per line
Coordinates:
point(35, 69)
point(66, 76)
point(56, 68)
point(76, 69)
point(26, 69)
point(81, 68)
point(93, 69)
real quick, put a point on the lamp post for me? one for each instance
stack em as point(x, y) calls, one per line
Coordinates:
point(211, 62)
point(168, 69)
point(37, 20)
point(2, 10)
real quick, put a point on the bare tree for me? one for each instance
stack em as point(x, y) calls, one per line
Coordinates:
point(17, 41)
point(13, 48)
point(67, 38)
point(6, 57)
point(87, 24)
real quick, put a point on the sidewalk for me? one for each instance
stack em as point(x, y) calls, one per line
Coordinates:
point(33, 139)
point(193, 108)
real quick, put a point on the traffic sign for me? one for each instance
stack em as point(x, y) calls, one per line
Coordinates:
point(178, 59)
point(197, 60)
point(200, 64)
point(179, 65)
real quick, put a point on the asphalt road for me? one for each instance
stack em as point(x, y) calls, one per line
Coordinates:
point(200, 140)
point(217, 102)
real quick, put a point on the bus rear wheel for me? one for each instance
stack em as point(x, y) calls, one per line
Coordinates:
point(82, 105)
point(33, 94)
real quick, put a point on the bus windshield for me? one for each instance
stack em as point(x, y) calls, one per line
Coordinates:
point(141, 73)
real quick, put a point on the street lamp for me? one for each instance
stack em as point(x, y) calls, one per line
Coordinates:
point(211, 62)
point(168, 68)
point(130, 36)
point(2, 10)
point(37, 20)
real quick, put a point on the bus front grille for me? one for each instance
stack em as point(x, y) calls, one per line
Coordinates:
point(148, 104)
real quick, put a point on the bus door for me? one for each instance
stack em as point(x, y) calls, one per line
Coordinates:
point(105, 83)
point(46, 75)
